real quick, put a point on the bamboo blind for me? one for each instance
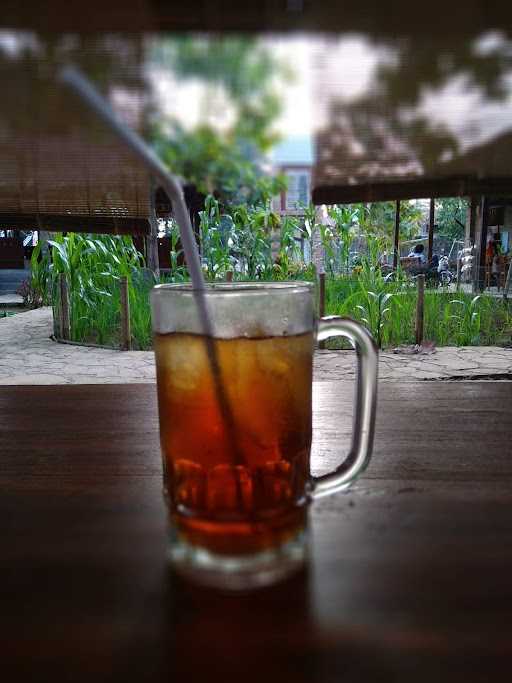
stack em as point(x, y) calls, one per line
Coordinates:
point(59, 168)
point(383, 143)
point(428, 117)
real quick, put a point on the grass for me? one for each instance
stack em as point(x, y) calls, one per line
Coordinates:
point(93, 266)
point(450, 319)
point(100, 323)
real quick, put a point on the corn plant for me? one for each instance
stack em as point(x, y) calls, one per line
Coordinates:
point(215, 232)
point(252, 240)
point(289, 249)
point(40, 277)
point(240, 239)
point(93, 265)
point(345, 219)
point(328, 240)
point(391, 320)
point(178, 272)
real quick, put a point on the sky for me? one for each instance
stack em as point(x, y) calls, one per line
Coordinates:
point(301, 54)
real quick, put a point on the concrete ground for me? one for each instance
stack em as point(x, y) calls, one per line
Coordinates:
point(29, 356)
point(10, 300)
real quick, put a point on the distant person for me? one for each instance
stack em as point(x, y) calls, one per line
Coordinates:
point(419, 253)
point(433, 269)
point(490, 250)
point(490, 261)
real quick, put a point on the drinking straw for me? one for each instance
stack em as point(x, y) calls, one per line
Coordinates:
point(81, 86)
point(76, 81)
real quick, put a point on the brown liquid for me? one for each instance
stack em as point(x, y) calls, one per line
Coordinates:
point(243, 489)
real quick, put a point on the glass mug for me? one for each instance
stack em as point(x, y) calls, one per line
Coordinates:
point(235, 426)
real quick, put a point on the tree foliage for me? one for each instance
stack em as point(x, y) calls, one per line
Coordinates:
point(450, 217)
point(242, 69)
point(378, 218)
point(213, 164)
point(243, 73)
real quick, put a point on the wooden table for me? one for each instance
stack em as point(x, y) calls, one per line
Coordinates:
point(411, 572)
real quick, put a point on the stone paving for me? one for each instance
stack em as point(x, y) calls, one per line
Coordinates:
point(29, 356)
point(10, 300)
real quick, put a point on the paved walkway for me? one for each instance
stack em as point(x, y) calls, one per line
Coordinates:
point(10, 300)
point(29, 356)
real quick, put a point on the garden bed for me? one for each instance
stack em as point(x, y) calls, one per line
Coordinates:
point(451, 319)
point(94, 266)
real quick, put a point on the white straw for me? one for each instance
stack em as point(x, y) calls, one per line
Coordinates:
point(76, 81)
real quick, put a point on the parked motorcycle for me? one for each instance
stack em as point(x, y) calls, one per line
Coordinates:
point(444, 272)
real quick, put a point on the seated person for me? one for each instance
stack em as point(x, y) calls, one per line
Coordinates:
point(419, 253)
point(431, 270)
point(418, 259)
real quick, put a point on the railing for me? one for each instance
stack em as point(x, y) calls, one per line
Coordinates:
point(62, 318)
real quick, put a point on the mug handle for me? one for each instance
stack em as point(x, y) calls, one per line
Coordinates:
point(366, 403)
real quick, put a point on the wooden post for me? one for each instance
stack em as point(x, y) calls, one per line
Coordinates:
point(419, 309)
point(229, 276)
point(471, 227)
point(482, 245)
point(470, 239)
point(431, 220)
point(321, 302)
point(64, 325)
point(396, 241)
point(507, 281)
point(152, 237)
point(126, 335)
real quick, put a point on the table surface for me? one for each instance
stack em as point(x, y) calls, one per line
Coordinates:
point(410, 575)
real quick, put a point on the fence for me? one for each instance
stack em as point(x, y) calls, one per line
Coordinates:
point(62, 314)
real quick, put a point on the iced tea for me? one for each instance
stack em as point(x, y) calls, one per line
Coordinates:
point(236, 483)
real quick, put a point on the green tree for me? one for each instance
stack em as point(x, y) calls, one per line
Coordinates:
point(241, 73)
point(450, 217)
point(240, 69)
point(215, 165)
point(380, 219)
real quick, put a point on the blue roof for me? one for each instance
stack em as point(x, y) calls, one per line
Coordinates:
point(294, 150)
